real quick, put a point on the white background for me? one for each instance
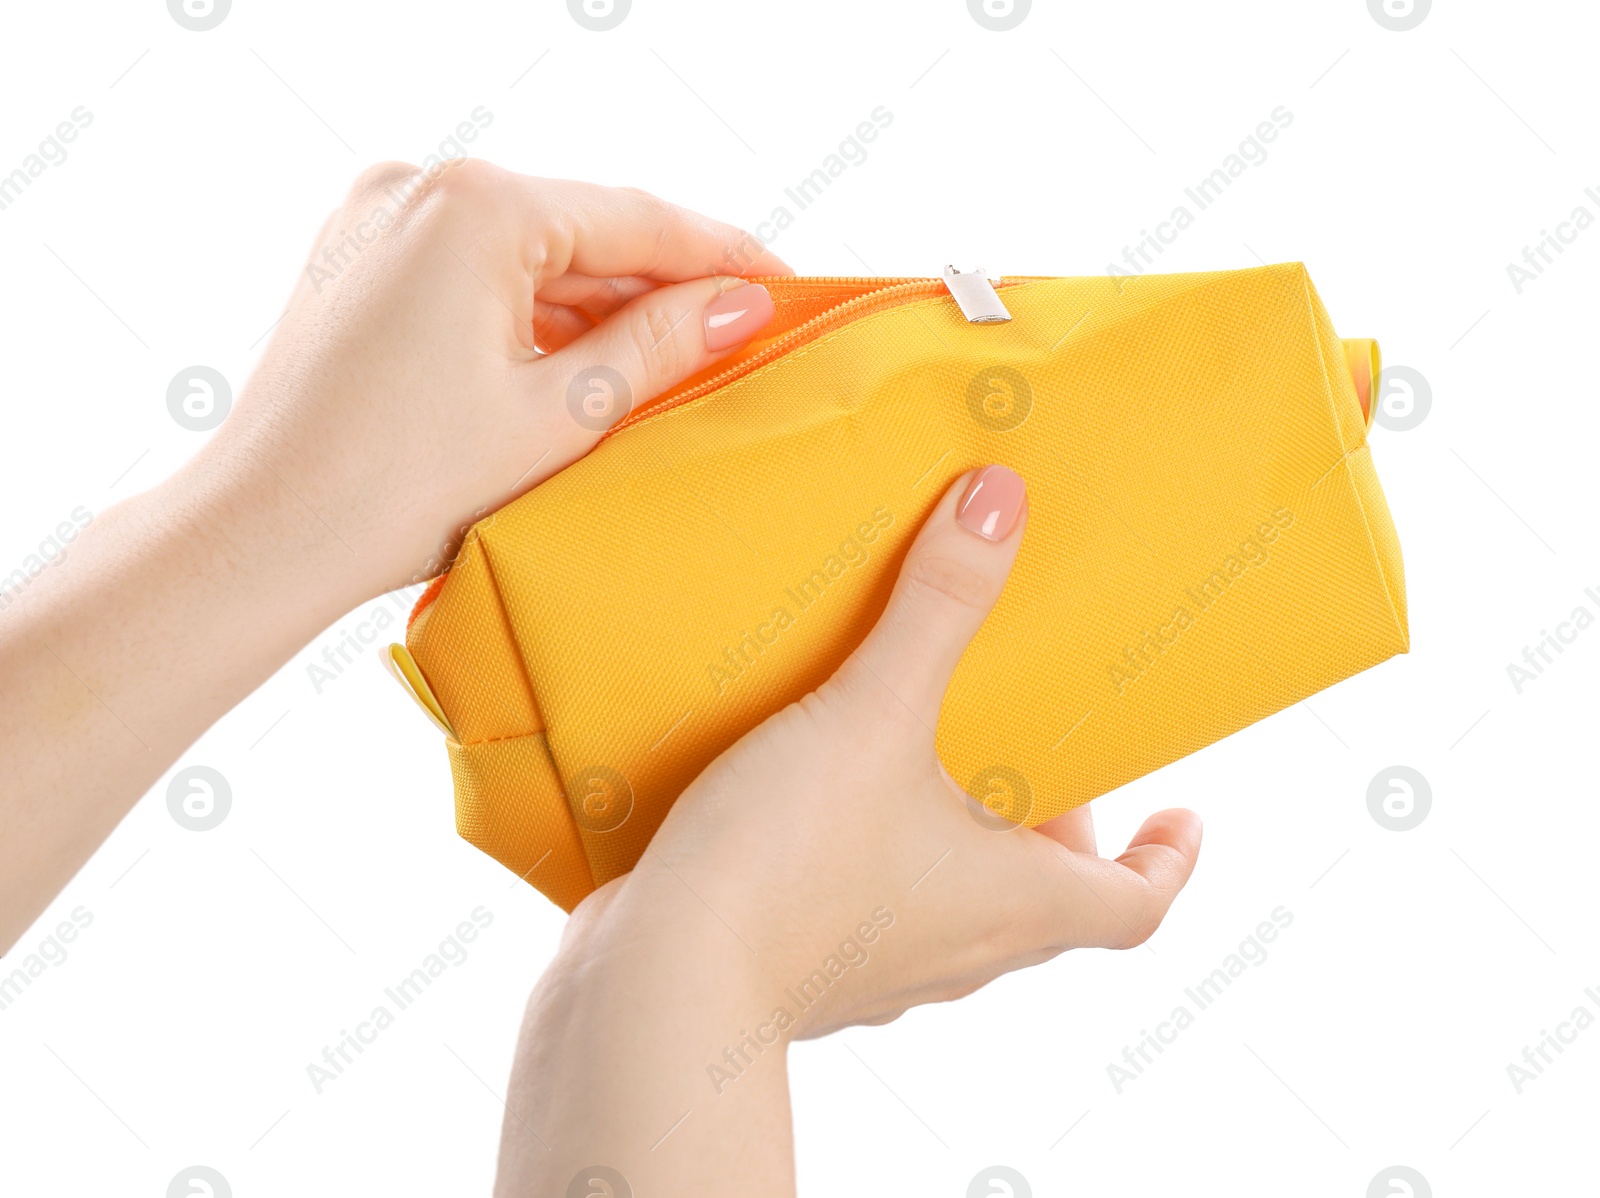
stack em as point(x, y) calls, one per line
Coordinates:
point(1418, 964)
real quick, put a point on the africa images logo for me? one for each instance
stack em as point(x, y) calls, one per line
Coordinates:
point(740, 656)
point(1252, 553)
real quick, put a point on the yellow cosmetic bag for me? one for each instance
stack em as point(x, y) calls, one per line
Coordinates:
point(1207, 543)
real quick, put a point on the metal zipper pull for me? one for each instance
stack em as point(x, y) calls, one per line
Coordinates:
point(975, 295)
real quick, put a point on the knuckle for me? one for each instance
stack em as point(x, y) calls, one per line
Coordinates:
point(612, 294)
point(952, 581)
point(463, 179)
point(655, 338)
point(658, 252)
point(381, 176)
point(1144, 918)
point(451, 187)
point(662, 215)
point(641, 192)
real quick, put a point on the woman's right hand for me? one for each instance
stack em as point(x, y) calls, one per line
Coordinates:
point(824, 871)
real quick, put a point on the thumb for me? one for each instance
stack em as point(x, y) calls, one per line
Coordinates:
point(952, 576)
point(651, 345)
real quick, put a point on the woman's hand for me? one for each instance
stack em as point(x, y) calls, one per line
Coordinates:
point(458, 336)
point(824, 871)
point(404, 395)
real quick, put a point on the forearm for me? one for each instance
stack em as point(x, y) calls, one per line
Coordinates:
point(166, 611)
point(623, 1061)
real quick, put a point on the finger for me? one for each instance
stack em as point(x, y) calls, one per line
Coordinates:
point(556, 326)
point(1118, 904)
point(651, 345)
point(1073, 829)
point(951, 578)
point(597, 297)
point(614, 232)
point(1164, 850)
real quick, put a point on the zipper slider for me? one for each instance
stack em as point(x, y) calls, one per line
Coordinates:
point(975, 296)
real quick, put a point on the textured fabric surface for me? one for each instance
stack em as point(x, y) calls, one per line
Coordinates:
point(1207, 544)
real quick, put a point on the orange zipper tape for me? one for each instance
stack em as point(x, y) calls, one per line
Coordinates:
point(891, 293)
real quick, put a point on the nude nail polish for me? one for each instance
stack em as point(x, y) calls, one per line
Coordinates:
point(992, 503)
point(737, 315)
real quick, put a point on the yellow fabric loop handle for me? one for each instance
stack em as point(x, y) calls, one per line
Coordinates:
point(404, 669)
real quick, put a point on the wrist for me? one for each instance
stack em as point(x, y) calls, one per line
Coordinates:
point(623, 1060)
point(263, 541)
point(651, 945)
point(692, 997)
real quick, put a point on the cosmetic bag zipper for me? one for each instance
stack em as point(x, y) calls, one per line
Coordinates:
point(966, 288)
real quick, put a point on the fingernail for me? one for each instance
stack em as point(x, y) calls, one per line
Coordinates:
point(992, 503)
point(737, 315)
